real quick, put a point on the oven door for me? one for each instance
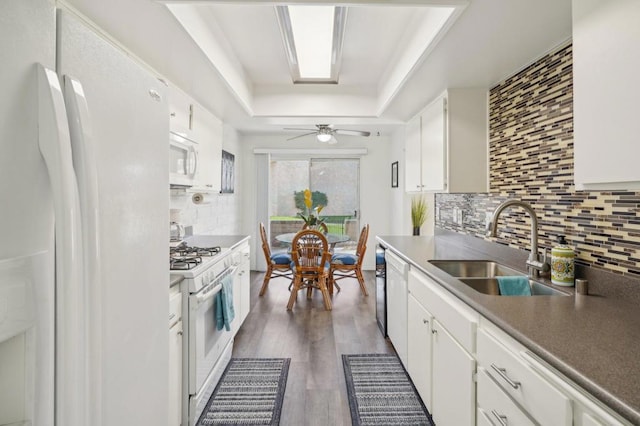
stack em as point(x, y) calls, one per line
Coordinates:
point(205, 342)
point(183, 161)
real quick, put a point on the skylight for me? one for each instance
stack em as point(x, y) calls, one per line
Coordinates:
point(312, 37)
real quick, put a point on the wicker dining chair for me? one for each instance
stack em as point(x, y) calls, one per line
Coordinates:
point(347, 265)
point(278, 264)
point(310, 254)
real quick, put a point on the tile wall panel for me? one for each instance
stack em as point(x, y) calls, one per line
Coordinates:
point(531, 158)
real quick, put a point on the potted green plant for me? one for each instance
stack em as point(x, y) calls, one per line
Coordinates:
point(418, 212)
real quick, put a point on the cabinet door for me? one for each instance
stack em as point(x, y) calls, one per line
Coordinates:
point(245, 286)
point(412, 178)
point(419, 348)
point(605, 84)
point(434, 155)
point(208, 133)
point(175, 374)
point(397, 306)
point(453, 393)
point(181, 112)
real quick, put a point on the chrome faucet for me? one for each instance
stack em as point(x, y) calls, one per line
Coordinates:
point(534, 265)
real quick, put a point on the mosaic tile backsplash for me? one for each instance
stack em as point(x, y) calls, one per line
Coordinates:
point(531, 158)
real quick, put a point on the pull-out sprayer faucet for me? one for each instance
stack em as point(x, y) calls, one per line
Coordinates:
point(534, 265)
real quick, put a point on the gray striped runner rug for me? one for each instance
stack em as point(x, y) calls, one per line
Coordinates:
point(250, 392)
point(381, 393)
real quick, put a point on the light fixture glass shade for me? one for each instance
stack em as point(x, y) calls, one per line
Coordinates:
point(324, 137)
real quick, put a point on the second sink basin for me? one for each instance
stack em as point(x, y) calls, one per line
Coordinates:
point(490, 286)
point(481, 275)
point(474, 268)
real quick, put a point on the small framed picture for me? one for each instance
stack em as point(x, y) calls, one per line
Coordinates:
point(228, 177)
point(394, 174)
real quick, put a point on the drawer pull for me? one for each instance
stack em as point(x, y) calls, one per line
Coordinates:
point(503, 373)
point(501, 418)
point(424, 321)
point(434, 331)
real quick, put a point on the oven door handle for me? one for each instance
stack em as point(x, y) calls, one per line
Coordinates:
point(210, 292)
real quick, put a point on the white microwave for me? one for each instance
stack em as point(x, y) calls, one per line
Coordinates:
point(183, 160)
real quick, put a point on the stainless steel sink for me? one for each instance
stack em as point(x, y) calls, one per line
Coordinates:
point(481, 275)
point(474, 268)
point(490, 286)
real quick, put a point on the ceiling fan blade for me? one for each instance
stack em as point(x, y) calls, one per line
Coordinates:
point(299, 129)
point(333, 140)
point(299, 136)
point(352, 132)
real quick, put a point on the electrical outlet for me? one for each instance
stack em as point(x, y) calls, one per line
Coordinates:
point(437, 213)
point(455, 215)
point(460, 216)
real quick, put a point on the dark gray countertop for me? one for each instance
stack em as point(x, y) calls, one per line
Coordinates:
point(593, 340)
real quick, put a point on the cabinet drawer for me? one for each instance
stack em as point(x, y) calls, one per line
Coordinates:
point(545, 403)
point(459, 319)
point(496, 404)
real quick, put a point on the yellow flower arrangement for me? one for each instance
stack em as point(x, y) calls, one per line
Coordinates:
point(311, 219)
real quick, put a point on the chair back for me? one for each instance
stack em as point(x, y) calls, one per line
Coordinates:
point(310, 251)
point(265, 243)
point(362, 243)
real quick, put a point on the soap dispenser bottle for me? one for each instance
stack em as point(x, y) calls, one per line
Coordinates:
point(562, 269)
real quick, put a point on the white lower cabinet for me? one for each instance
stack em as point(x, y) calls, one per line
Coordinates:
point(245, 283)
point(496, 405)
point(175, 356)
point(499, 356)
point(397, 304)
point(441, 342)
point(419, 353)
point(454, 390)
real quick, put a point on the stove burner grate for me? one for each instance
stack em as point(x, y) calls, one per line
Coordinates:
point(184, 257)
point(181, 263)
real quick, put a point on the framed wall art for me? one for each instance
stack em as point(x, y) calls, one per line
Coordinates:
point(228, 177)
point(394, 174)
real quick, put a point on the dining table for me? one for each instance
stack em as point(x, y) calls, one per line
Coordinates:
point(332, 239)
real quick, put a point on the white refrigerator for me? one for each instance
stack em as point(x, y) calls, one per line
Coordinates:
point(84, 207)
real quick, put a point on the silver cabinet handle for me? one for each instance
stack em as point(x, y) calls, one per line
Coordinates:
point(503, 373)
point(501, 418)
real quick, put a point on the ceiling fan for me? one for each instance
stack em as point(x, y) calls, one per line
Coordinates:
point(326, 133)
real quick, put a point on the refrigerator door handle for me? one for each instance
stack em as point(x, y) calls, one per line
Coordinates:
point(70, 356)
point(86, 171)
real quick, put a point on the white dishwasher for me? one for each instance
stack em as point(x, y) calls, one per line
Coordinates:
point(397, 270)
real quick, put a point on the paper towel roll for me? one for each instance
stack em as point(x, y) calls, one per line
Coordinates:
point(199, 198)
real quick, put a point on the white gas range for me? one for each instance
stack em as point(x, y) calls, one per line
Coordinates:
point(207, 347)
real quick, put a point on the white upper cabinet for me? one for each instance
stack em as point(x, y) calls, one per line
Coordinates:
point(208, 133)
point(446, 147)
point(606, 58)
point(193, 121)
point(180, 112)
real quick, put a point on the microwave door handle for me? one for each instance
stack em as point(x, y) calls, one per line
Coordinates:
point(193, 162)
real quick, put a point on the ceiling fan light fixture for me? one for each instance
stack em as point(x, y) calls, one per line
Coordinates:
point(324, 137)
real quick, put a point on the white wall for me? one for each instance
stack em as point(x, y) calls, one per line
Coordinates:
point(375, 183)
point(400, 211)
point(221, 214)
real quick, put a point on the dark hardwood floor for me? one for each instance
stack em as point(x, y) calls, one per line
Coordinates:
point(314, 339)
